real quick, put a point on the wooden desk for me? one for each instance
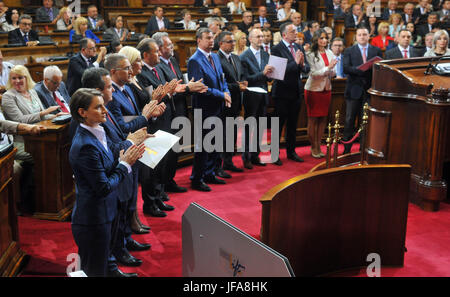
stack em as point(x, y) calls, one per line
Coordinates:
point(11, 256)
point(332, 219)
point(410, 125)
point(55, 191)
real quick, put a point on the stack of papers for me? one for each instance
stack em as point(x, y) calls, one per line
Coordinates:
point(157, 147)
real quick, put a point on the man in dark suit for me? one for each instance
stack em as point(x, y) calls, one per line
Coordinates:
point(205, 65)
point(296, 19)
point(313, 26)
point(171, 70)
point(157, 22)
point(234, 75)
point(358, 81)
point(273, 6)
point(432, 20)
point(24, 34)
point(408, 14)
point(390, 9)
point(288, 93)
point(95, 22)
point(99, 78)
point(254, 61)
point(356, 18)
point(47, 13)
point(204, 3)
point(422, 10)
point(267, 40)
point(403, 50)
point(247, 22)
point(81, 61)
point(52, 90)
point(263, 18)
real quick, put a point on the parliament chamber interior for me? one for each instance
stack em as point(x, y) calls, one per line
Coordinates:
point(352, 153)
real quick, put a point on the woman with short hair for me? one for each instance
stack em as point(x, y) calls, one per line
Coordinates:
point(117, 31)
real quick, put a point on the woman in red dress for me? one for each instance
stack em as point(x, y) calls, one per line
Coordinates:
point(318, 89)
point(382, 39)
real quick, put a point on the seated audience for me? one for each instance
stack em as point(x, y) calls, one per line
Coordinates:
point(5, 68)
point(52, 91)
point(273, 6)
point(440, 45)
point(117, 30)
point(372, 24)
point(12, 21)
point(236, 7)
point(188, 23)
point(81, 31)
point(416, 39)
point(382, 39)
point(241, 43)
point(430, 25)
point(395, 24)
point(24, 34)
point(204, 3)
point(428, 42)
point(157, 22)
point(344, 8)
point(48, 13)
point(66, 20)
point(296, 19)
point(312, 28)
point(356, 18)
point(284, 14)
point(263, 18)
point(114, 47)
point(392, 7)
point(217, 15)
point(422, 10)
point(332, 5)
point(403, 50)
point(247, 22)
point(408, 14)
point(444, 13)
point(95, 21)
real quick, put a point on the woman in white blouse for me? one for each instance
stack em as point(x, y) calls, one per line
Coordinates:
point(21, 103)
point(284, 13)
point(236, 7)
point(440, 45)
point(187, 22)
point(66, 19)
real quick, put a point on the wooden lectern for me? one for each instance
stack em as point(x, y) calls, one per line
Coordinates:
point(409, 122)
point(11, 256)
point(55, 194)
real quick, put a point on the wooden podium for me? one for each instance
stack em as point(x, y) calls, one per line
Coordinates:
point(409, 122)
point(55, 194)
point(11, 256)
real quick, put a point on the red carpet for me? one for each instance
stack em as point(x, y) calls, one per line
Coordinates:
point(48, 243)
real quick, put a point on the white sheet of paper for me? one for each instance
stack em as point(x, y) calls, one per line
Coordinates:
point(157, 147)
point(257, 90)
point(280, 67)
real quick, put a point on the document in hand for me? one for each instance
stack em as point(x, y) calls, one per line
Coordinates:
point(157, 147)
point(368, 65)
point(256, 90)
point(280, 67)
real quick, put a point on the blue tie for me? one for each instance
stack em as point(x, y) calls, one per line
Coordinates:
point(25, 37)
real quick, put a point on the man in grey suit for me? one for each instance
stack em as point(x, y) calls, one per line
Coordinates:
point(47, 13)
point(403, 50)
point(95, 22)
point(52, 90)
point(254, 61)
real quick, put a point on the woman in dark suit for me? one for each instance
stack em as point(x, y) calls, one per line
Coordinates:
point(117, 30)
point(97, 176)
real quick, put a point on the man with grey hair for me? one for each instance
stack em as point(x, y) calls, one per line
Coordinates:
point(52, 90)
point(24, 34)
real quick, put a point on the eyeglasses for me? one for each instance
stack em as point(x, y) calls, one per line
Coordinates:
point(128, 68)
point(25, 24)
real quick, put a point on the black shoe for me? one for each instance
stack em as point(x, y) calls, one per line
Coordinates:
point(221, 173)
point(258, 162)
point(154, 211)
point(295, 158)
point(128, 260)
point(133, 245)
point(214, 180)
point(232, 168)
point(248, 164)
point(174, 188)
point(165, 197)
point(140, 230)
point(162, 206)
point(119, 273)
point(200, 186)
point(278, 162)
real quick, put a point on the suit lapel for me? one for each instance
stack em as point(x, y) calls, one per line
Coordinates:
point(97, 142)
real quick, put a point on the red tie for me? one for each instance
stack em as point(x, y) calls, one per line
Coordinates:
point(109, 117)
point(63, 107)
point(364, 56)
point(406, 54)
point(292, 50)
point(156, 73)
point(267, 49)
point(212, 62)
point(173, 69)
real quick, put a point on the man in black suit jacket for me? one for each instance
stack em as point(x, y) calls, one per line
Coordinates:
point(390, 9)
point(81, 61)
point(408, 14)
point(432, 20)
point(95, 22)
point(263, 18)
point(157, 22)
point(356, 18)
point(234, 75)
point(422, 10)
point(403, 50)
point(254, 61)
point(358, 81)
point(247, 22)
point(288, 93)
point(24, 34)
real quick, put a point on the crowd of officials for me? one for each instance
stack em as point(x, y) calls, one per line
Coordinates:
point(113, 112)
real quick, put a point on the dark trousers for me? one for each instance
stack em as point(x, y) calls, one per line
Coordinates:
point(353, 109)
point(123, 233)
point(93, 243)
point(232, 112)
point(152, 181)
point(287, 111)
point(254, 106)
